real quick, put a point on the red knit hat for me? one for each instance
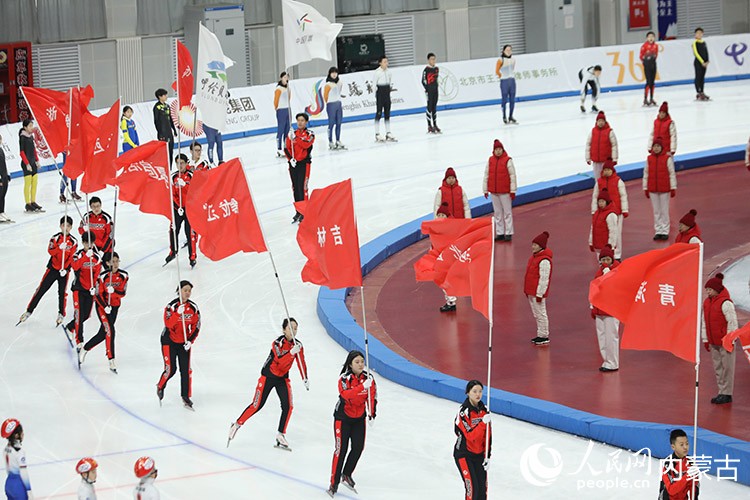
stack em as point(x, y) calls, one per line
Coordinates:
point(600, 116)
point(716, 283)
point(449, 172)
point(664, 107)
point(604, 195)
point(689, 218)
point(659, 141)
point(607, 251)
point(497, 144)
point(444, 209)
point(608, 163)
point(541, 239)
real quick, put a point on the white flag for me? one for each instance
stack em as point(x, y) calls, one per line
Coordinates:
point(307, 34)
point(212, 89)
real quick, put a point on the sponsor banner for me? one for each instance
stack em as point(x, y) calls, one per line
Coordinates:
point(667, 19)
point(639, 17)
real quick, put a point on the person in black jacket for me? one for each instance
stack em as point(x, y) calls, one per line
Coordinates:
point(700, 63)
point(430, 84)
point(29, 165)
point(4, 180)
point(165, 130)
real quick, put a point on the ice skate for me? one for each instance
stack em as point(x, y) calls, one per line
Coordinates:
point(379, 138)
point(430, 129)
point(652, 102)
point(594, 109)
point(63, 199)
point(331, 491)
point(76, 197)
point(646, 103)
point(69, 335)
point(112, 366)
point(332, 146)
point(512, 121)
point(280, 154)
point(159, 394)
point(169, 258)
point(192, 263)
point(447, 308)
point(188, 404)
point(59, 320)
point(281, 442)
point(340, 145)
point(348, 482)
point(583, 108)
point(36, 207)
point(437, 130)
point(505, 120)
point(389, 137)
point(23, 317)
point(233, 432)
point(81, 354)
point(5, 218)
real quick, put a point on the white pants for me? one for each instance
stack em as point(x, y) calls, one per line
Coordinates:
point(539, 311)
point(618, 248)
point(723, 368)
point(660, 203)
point(449, 299)
point(501, 206)
point(597, 166)
point(608, 333)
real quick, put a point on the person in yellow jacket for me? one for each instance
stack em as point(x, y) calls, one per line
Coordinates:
point(129, 132)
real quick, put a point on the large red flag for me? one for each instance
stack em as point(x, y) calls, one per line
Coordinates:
point(184, 83)
point(742, 333)
point(655, 295)
point(52, 114)
point(144, 180)
point(328, 238)
point(79, 106)
point(221, 210)
point(96, 149)
point(462, 264)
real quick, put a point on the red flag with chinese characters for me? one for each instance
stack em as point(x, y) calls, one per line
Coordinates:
point(462, 264)
point(144, 180)
point(742, 333)
point(79, 106)
point(184, 83)
point(221, 210)
point(655, 295)
point(51, 111)
point(328, 238)
point(96, 149)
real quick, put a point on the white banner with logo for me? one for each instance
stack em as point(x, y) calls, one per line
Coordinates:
point(250, 109)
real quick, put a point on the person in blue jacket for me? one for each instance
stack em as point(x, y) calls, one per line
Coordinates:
point(129, 132)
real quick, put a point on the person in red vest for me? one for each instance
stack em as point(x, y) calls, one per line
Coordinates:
point(603, 224)
point(500, 184)
point(452, 196)
point(689, 231)
point(607, 326)
point(719, 318)
point(536, 285)
point(601, 145)
point(660, 184)
point(443, 212)
point(619, 195)
point(665, 128)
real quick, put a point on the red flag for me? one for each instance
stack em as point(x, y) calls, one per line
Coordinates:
point(742, 333)
point(221, 210)
point(184, 83)
point(79, 106)
point(51, 113)
point(328, 238)
point(95, 149)
point(655, 295)
point(144, 180)
point(462, 264)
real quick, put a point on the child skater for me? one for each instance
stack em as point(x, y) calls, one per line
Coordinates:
point(470, 453)
point(129, 132)
point(145, 471)
point(649, 53)
point(17, 484)
point(281, 105)
point(285, 351)
point(87, 469)
point(589, 77)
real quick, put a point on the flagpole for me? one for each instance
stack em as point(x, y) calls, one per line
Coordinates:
point(114, 219)
point(490, 293)
point(176, 248)
point(697, 357)
point(65, 183)
point(91, 268)
point(273, 265)
point(179, 108)
point(70, 128)
point(367, 347)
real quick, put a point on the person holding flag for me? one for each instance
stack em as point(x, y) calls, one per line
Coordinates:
point(607, 326)
point(285, 351)
point(129, 132)
point(98, 222)
point(299, 155)
point(471, 454)
point(86, 265)
point(180, 186)
point(719, 319)
point(165, 129)
point(196, 162)
point(680, 475)
point(536, 285)
point(29, 165)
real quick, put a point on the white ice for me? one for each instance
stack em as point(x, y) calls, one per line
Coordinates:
point(116, 418)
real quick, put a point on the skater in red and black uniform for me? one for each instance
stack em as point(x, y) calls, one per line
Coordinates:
point(649, 53)
point(99, 223)
point(61, 248)
point(112, 286)
point(357, 398)
point(86, 265)
point(299, 155)
point(196, 162)
point(180, 186)
point(470, 452)
point(182, 323)
point(430, 75)
point(285, 351)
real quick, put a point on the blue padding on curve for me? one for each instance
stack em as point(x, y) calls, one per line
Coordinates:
point(631, 435)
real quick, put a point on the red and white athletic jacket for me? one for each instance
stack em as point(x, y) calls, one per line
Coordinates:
point(180, 193)
point(202, 165)
point(352, 403)
point(675, 483)
point(86, 268)
point(280, 360)
point(56, 254)
point(101, 226)
point(303, 145)
point(117, 280)
point(173, 321)
point(471, 431)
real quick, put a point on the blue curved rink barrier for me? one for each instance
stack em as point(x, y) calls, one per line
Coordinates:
point(628, 434)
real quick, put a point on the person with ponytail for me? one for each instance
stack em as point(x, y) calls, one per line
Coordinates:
point(506, 72)
point(29, 165)
point(129, 132)
point(471, 454)
point(332, 98)
point(281, 105)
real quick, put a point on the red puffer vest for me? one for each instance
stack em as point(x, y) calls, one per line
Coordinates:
point(611, 185)
point(685, 237)
point(599, 229)
point(531, 280)
point(658, 173)
point(454, 197)
point(600, 272)
point(601, 147)
point(661, 129)
point(498, 180)
point(716, 323)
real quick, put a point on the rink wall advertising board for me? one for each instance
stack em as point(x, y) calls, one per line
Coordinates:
point(462, 84)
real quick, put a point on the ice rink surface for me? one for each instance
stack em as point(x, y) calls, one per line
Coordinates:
point(408, 454)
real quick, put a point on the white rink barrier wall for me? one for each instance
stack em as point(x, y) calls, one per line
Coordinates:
point(462, 84)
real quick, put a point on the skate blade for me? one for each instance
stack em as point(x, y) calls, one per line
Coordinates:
point(113, 370)
point(330, 493)
point(282, 447)
point(189, 408)
point(350, 487)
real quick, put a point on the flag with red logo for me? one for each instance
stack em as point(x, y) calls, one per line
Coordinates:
point(743, 334)
point(221, 210)
point(656, 296)
point(328, 238)
point(51, 110)
point(184, 83)
point(460, 259)
point(144, 180)
point(95, 149)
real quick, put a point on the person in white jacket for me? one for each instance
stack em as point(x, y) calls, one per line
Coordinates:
point(665, 128)
point(660, 184)
point(603, 225)
point(601, 145)
point(145, 470)
point(87, 468)
point(719, 319)
point(619, 195)
point(500, 185)
point(452, 195)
